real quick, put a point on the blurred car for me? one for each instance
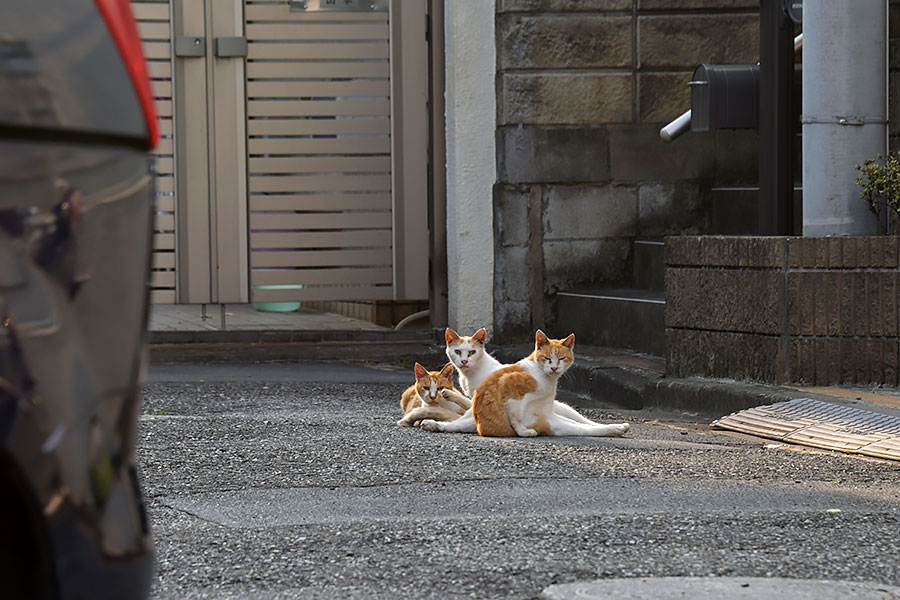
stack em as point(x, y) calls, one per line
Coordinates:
point(76, 209)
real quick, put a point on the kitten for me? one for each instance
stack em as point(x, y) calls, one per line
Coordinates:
point(423, 399)
point(473, 365)
point(518, 400)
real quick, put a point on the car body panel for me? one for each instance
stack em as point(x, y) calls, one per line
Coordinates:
point(76, 218)
point(60, 71)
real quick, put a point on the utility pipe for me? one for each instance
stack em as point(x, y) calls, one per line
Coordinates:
point(844, 116)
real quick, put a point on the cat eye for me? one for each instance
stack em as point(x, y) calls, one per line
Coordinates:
point(458, 352)
point(471, 352)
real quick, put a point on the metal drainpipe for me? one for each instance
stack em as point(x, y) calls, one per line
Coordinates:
point(844, 111)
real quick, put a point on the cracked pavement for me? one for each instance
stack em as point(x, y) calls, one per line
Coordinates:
point(293, 481)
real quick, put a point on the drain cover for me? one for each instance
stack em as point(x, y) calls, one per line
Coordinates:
point(821, 425)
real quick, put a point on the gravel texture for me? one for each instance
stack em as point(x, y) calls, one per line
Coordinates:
point(295, 482)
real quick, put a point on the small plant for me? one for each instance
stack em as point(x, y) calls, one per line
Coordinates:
point(880, 183)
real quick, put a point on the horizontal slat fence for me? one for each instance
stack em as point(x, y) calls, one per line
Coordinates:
point(155, 27)
point(318, 104)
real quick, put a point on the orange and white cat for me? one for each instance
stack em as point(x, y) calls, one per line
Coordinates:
point(474, 365)
point(423, 399)
point(518, 400)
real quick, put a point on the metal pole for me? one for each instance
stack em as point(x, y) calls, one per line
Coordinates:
point(776, 125)
point(844, 111)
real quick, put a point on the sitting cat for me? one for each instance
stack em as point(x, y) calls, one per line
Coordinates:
point(473, 365)
point(518, 400)
point(472, 362)
point(423, 399)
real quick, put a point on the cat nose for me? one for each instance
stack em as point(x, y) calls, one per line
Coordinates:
point(554, 369)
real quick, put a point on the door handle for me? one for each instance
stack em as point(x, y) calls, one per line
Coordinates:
point(231, 46)
point(190, 45)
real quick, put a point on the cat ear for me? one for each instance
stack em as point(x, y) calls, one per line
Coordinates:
point(451, 336)
point(541, 339)
point(447, 371)
point(569, 342)
point(480, 336)
point(421, 372)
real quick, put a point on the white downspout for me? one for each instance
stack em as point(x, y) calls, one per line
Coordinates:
point(844, 116)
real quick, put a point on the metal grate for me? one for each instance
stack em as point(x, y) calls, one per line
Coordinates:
point(821, 425)
point(154, 26)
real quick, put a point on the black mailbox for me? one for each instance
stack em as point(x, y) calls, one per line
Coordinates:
point(725, 97)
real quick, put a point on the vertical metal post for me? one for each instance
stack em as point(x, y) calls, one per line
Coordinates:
point(191, 156)
point(227, 155)
point(438, 168)
point(776, 125)
point(844, 111)
point(409, 139)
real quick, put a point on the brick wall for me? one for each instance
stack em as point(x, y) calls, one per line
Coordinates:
point(583, 88)
point(802, 310)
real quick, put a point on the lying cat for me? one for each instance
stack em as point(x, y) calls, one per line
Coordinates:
point(519, 400)
point(473, 365)
point(423, 399)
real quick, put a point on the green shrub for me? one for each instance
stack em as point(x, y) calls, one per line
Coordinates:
point(880, 183)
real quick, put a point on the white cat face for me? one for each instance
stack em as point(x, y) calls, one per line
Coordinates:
point(465, 352)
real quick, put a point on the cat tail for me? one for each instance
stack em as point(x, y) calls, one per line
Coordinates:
point(489, 411)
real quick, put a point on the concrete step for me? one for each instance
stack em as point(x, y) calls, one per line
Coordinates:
point(649, 267)
point(384, 345)
point(615, 318)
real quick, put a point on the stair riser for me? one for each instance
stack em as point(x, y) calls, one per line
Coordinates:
point(649, 269)
point(614, 323)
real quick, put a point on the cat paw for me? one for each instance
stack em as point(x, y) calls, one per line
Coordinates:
point(625, 428)
point(402, 423)
point(430, 425)
point(528, 433)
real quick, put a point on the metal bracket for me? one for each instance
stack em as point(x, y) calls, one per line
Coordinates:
point(853, 121)
point(231, 46)
point(339, 5)
point(189, 45)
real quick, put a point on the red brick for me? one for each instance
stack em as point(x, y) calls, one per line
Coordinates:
point(848, 361)
point(835, 254)
point(849, 251)
point(846, 303)
point(795, 252)
point(860, 304)
point(863, 252)
point(889, 303)
point(874, 303)
point(875, 361)
point(891, 358)
point(832, 292)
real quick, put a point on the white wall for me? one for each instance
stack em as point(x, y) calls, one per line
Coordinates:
point(470, 54)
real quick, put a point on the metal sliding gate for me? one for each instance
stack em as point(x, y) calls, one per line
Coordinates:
point(294, 159)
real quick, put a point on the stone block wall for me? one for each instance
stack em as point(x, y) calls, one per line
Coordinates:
point(816, 311)
point(583, 87)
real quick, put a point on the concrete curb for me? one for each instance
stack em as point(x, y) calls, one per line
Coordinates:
point(604, 382)
point(386, 346)
point(598, 382)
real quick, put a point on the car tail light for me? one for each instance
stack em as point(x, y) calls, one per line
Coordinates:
point(121, 24)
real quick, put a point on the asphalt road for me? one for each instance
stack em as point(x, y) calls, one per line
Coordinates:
point(293, 481)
